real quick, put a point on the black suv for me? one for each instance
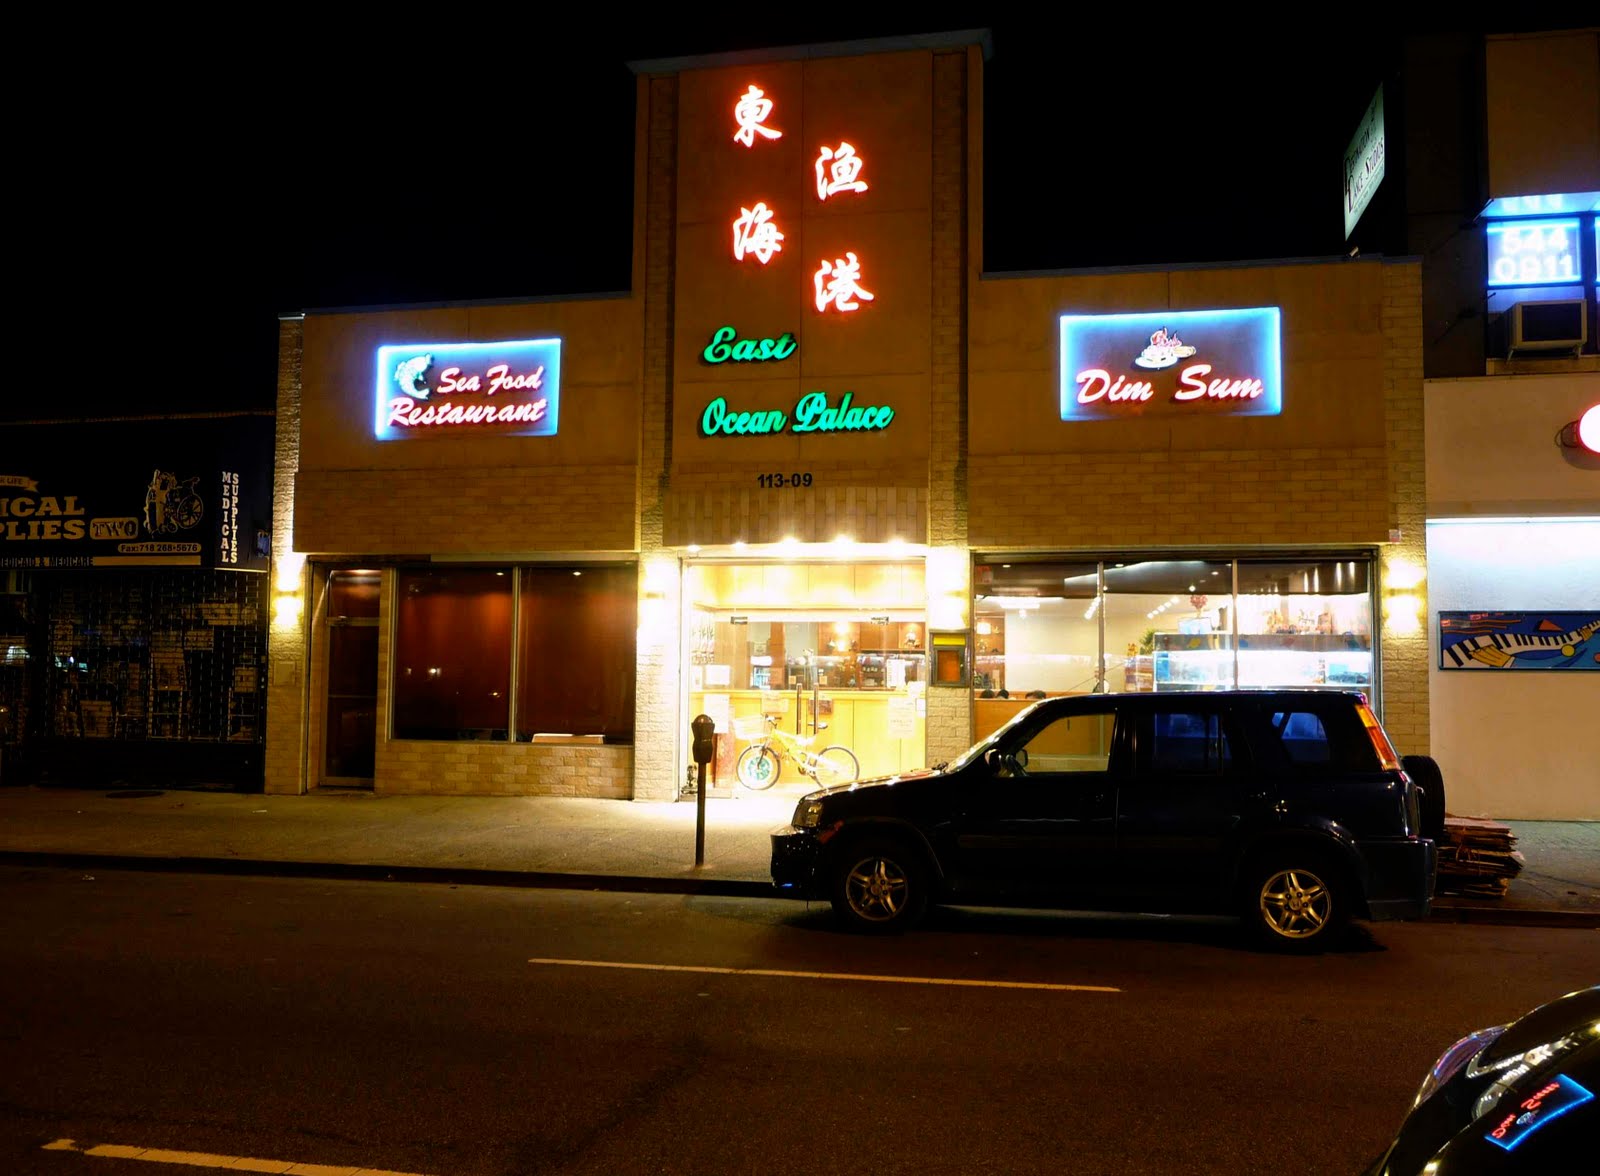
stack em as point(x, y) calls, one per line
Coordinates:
point(1288, 807)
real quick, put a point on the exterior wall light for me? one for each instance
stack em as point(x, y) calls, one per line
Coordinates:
point(1583, 433)
point(1402, 613)
point(286, 609)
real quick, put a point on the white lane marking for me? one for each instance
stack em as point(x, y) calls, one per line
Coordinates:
point(155, 1155)
point(934, 980)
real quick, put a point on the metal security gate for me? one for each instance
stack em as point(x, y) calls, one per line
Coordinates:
point(160, 673)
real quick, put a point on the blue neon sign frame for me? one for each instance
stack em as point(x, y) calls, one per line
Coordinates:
point(1243, 343)
point(507, 406)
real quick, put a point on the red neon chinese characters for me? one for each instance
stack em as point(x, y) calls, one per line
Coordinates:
point(751, 112)
point(755, 234)
point(837, 171)
point(838, 282)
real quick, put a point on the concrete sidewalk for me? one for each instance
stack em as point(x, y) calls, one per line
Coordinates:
point(561, 841)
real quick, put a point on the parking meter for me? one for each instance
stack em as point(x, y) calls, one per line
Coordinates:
point(703, 748)
point(705, 741)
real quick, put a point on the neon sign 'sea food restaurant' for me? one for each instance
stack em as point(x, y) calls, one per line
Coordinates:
point(813, 469)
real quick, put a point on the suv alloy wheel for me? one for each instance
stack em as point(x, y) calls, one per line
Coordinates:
point(1296, 901)
point(878, 886)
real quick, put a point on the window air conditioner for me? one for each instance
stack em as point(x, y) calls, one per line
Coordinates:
point(1548, 326)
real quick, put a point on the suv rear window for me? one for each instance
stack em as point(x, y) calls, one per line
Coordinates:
point(1329, 738)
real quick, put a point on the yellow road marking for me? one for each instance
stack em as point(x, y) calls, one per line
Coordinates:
point(156, 1155)
point(777, 972)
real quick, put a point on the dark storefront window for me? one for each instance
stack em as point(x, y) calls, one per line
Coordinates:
point(141, 675)
point(149, 655)
point(572, 644)
point(576, 651)
point(452, 672)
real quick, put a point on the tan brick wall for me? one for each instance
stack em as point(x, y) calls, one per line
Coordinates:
point(286, 639)
point(1404, 693)
point(730, 514)
point(515, 509)
point(656, 724)
point(949, 718)
point(426, 767)
point(1194, 498)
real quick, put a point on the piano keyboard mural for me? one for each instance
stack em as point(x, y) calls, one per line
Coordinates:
point(1519, 640)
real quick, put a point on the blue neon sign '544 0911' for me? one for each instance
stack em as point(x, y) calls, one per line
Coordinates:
point(1533, 252)
point(445, 389)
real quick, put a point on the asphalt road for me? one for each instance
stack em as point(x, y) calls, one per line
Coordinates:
point(403, 1028)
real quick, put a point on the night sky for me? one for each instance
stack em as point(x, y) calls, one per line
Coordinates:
point(317, 166)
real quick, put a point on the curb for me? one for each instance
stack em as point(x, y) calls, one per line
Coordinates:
point(635, 883)
point(349, 872)
point(1514, 917)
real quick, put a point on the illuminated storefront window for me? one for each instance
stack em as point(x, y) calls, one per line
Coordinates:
point(835, 654)
point(1045, 627)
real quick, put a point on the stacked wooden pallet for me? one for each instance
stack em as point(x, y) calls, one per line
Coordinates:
point(1477, 857)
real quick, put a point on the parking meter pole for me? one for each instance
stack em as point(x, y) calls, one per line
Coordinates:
point(704, 746)
point(700, 817)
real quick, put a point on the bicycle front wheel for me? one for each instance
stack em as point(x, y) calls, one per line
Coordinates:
point(836, 765)
point(758, 768)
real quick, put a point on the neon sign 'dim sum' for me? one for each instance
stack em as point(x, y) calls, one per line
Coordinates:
point(1128, 365)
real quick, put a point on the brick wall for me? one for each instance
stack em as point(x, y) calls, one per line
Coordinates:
point(1405, 633)
point(426, 767)
point(518, 508)
point(841, 504)
point(1176, 498)
point(657, 710)
point(286, 637)
point(949, 719)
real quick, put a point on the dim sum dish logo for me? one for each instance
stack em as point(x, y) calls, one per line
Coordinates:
point(432, 389)
point(1106, 360)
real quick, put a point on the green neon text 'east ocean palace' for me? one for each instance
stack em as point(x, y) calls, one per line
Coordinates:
point(812, 414)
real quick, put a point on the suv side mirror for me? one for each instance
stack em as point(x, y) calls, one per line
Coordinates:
point(1002, 764)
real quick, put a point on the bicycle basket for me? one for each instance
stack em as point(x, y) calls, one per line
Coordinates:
point(750, 727)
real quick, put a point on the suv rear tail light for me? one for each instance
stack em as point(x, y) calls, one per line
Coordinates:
point(1387, 759)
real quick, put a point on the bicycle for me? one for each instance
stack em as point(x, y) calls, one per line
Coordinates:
point(761, 763)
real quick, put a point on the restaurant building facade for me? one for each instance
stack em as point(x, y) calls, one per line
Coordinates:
point(818, 470)
point(1502, 146)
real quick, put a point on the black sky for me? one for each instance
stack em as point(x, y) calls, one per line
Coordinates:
point(300, 166)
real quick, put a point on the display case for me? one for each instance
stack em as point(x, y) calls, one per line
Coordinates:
point(1192, 661)
point(1306, 659)
point(1206, 661)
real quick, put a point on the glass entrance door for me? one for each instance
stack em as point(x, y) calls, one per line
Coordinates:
point(803, 657)
point(351, 704)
